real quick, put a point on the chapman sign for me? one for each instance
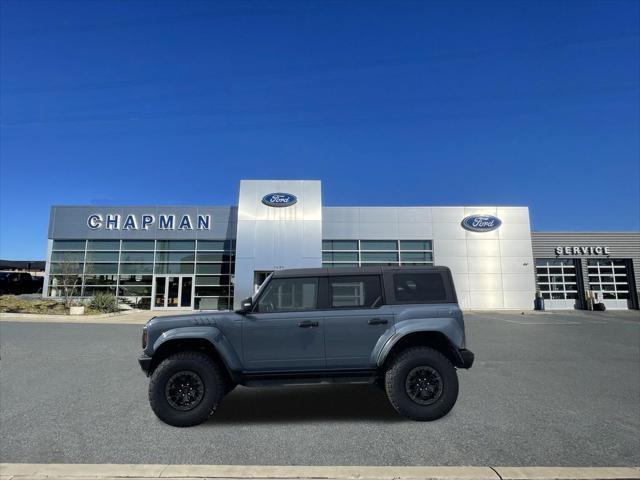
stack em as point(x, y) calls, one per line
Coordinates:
point(576, 250)
point(114, 221)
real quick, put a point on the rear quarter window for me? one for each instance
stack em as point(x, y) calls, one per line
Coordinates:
point(419, 288)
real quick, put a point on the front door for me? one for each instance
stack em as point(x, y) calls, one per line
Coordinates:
point(285, 332)
point(173, 292)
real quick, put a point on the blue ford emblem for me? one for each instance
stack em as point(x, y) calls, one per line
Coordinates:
point(481, 223)
point(279, 199)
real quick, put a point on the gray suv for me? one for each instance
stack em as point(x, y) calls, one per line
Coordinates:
point(398, 327)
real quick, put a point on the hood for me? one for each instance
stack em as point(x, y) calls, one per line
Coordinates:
point(167, 322)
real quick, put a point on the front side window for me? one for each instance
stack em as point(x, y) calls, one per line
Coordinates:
point(356, 291)
point(419, 287)
point(288, 295)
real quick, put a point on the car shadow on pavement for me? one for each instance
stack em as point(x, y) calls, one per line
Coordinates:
point(305, 404)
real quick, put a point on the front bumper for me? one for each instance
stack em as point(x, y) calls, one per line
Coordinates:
point(466, 358)
point(145, 363)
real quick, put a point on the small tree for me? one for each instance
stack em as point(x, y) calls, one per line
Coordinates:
point(68, 281)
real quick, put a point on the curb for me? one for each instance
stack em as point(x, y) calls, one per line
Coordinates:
point(131, 317)
point(61, 315)
point(24, 471)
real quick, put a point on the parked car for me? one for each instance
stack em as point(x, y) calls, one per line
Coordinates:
point(399, 327)
point(18, 283)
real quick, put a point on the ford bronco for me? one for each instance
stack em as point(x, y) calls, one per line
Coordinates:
point(398, 327)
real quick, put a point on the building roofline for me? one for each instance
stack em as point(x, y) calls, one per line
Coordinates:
point(587, 232)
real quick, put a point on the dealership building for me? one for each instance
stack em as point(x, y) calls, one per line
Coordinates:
point(211, 257)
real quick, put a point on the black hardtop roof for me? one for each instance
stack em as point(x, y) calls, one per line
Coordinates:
point(375, 270)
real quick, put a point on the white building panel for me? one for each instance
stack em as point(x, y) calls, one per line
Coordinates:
point(518, 300)
point(481, 282)
point(341, 231)
point(415, 231)
point(464, 299)
point(378, 215)
point(340, 214)
point(494, 235)
point(516, 248)
point(461, 281)
point(484, 264)
point(450, 248)
point(483, 248)
point(456, 264)
point(515, 281)
point(521, 265)
point(447, 214)
point(415, 214)
point(448, 230)
point(514, 231)
point(482, 300)
point(378, 230)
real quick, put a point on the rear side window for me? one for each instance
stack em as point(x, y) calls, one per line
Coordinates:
point(358, 291)
point(419, 287)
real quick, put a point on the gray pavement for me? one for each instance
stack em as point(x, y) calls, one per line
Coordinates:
point(547, 389)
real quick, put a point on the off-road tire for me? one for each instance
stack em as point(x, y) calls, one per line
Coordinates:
point(396, 376)
point(208, 371)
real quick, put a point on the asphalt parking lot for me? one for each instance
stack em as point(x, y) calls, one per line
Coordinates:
point(547, 389)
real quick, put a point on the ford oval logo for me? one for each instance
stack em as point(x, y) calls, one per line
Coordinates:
point(279, 199)
point(481, 223)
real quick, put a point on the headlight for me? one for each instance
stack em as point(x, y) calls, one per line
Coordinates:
point(144, 337)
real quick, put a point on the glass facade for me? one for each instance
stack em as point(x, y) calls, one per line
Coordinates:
point(354, 253)
point(127, 269)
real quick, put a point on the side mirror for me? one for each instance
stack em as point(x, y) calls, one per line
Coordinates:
point(246, 304)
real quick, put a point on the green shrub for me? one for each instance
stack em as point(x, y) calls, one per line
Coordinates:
point(104, 302)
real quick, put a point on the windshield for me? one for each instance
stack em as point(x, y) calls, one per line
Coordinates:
point(4, 275)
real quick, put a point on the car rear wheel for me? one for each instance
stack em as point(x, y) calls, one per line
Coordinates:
point(186, 388)
point(421, 384)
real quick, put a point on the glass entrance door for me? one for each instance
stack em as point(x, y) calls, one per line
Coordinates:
point(173, 291)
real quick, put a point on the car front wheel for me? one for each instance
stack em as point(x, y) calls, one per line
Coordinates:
point(186, 388)
point(421, 384)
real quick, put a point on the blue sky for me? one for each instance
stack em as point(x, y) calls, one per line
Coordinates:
point(388, 103)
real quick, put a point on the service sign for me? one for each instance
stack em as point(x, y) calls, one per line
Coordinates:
point(583, 250)
point(481, 223)
point(279, 199)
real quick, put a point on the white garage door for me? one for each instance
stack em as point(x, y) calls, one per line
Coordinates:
point(608, 278)
point(557, 282)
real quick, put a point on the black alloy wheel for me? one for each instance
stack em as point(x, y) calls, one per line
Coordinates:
point(423, 385)
point(184, 390)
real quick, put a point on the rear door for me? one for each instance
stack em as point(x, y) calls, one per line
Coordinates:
point(355, 319)
point(285, 330)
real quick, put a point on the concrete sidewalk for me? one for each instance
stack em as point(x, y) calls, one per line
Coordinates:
point(22, 471)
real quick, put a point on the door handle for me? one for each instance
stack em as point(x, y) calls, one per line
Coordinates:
point(378, 321)
point(307, 324)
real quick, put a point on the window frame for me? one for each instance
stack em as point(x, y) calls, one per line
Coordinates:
point(329, 291)
point(321, 294)
point(447, 281)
